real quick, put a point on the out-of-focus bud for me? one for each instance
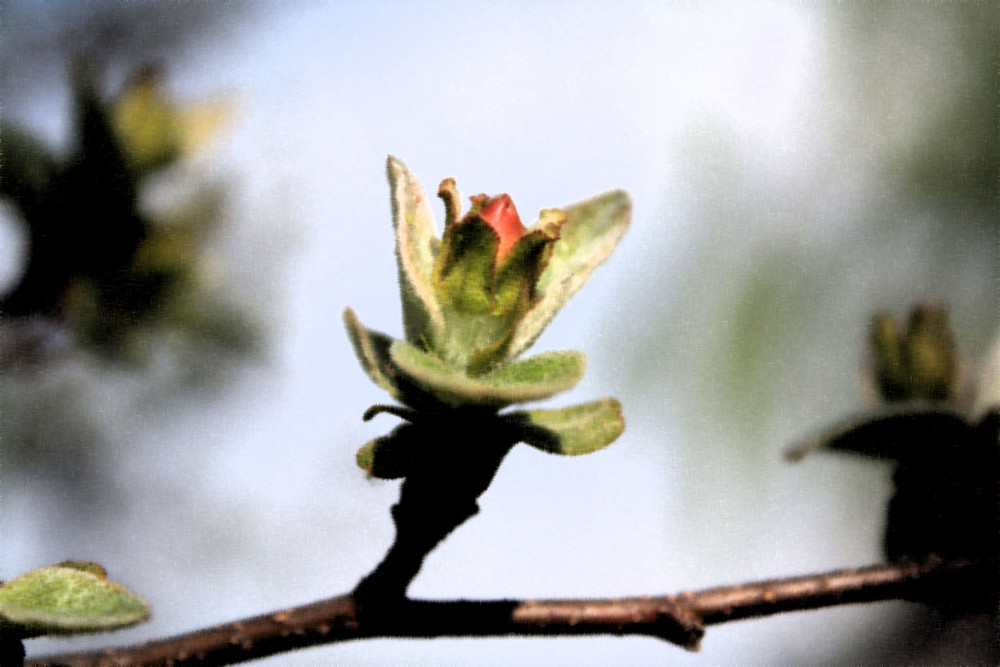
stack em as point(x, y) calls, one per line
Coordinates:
point(919, 363)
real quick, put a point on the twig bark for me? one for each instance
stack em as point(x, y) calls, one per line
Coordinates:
point(679, 618)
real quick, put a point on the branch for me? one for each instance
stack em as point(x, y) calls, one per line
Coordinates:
point(679, 619)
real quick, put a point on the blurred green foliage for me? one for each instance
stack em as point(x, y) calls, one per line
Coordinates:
point(950, 154)
point(958, 156)
point(99, 261)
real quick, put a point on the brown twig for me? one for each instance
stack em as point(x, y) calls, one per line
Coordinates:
point(676, 618)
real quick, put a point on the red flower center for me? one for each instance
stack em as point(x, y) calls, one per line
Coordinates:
point(501, 215)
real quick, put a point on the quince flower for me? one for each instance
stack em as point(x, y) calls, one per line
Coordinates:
point(478, 297)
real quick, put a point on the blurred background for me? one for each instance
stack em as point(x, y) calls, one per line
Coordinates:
point(793, 166)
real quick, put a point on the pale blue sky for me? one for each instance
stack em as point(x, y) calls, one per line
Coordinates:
point(729, 124)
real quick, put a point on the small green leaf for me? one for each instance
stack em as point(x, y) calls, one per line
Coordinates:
point(392, 456)
point(379, 459)
point(372, 350)
point(592, 230)
point(416, 242)
point(69, 598)
point(531, 379)
point(575, 430)
point(365, 458)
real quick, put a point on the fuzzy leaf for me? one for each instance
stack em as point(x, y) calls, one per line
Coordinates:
point(575, 430)
point(365, 458)
point(415, 248)
point(372, 350)
point(531, 379)
point(68, 598)
point(592, 230)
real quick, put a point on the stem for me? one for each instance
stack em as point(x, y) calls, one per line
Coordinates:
point(461, 451)
point(675, 618)
point(421, 523)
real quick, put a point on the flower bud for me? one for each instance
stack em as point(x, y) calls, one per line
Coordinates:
point(501, 215)
point(476, 298)
point(918, 362)
point(485, 277)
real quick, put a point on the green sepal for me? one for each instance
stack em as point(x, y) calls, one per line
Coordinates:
point(513, 295)
point(574, 430)
point(530, 379)
point(591, 231)
point(416, 246)
point(516, 279)
point(483, 302)
point(463, 274)
point(448, 193)
point(69, 598)
point(372, 350)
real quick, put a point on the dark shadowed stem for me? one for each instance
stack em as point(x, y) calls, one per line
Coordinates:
point(461, 452)
point(337, 619)
point(11, 652)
